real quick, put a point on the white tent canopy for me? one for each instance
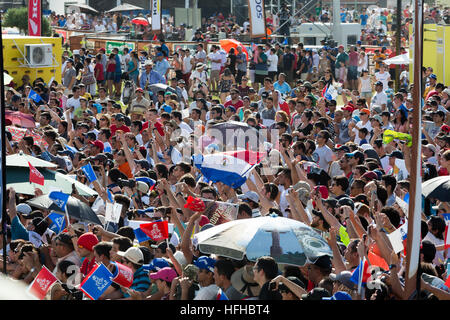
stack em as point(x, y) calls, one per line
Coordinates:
point(400, 59)
point(82, 6)
point(125, 7)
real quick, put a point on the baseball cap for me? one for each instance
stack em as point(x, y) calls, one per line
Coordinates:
point(265, 95)
point(378, 83)
point(344, 278)
point(87, 240)
point(396, 154)
point(142, 187)
point(355, 154)
point(433, 76)
point(340, 295)
point(33, 214)
point(445, 128)
point(133, 254)
point(165, 274)
point(346, 202)
point(377, 118)
point(370, 175)
point(98, 144)
point(342, 148)
point(23, 208)
point(139, 89)
point(348, 108)
point(431, 147)
point(365, 110)
point(323, 191)
point(297, 281)
point(250, 195)
point(205, 263)
point(324, 262)
point(157, 264)
point(316, 294)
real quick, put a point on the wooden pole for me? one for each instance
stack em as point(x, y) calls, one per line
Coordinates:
point(415, 190)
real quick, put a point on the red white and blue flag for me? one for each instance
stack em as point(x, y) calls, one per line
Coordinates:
point(96, 282)
point(329, 92)
point(230, 168)
point(361, 274)
point(221, 295)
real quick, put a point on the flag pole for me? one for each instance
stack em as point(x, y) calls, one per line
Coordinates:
point(415, 190)
point(3, 151)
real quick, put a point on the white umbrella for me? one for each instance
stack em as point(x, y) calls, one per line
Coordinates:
point(83, 6)
point(125, 7)
point(400, 59)
point(288, 241)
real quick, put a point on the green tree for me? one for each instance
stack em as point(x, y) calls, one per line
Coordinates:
point(18, 17)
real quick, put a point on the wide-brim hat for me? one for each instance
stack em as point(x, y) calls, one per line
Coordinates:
point(242, 280)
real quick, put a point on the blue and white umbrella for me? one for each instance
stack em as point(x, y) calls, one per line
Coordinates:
point(288, 241)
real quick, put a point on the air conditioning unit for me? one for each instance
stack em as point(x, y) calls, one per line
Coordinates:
point(39, 54)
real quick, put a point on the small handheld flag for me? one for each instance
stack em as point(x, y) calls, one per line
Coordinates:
point(42, 283)
point(58, 222)
point(35, 175)
point(34, 96)
point(96, 282)
point(221, 295)
point(59, 198)
point(123, 275)
point(157, 231)
point(89, 172)
point(361, 274)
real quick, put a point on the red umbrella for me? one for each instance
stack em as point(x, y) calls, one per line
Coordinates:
point(227, 44)
point(21, 119)
point(141, 21)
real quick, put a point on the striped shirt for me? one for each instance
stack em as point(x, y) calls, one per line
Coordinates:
point(141, 281)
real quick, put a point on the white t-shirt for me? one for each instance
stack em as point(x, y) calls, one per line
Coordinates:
point(72, 102)
point(273, 62)
point(379, 98)
point(215, 56)
point(383, 77)
point(283, 200)
point(187, 65)
point(207, 293)
point(323, 156)
point(360, 125)
point(201, 55)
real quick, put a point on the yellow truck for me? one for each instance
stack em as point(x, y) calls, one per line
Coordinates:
point(34, 56)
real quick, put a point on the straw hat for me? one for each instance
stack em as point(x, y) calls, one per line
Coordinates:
point(242, 280)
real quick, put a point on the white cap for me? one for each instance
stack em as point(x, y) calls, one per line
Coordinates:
point(23, 208)
point(134, 254)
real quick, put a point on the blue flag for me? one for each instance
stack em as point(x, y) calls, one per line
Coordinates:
point(96, 282)
point(72, 149)
point(446, 217)
point(89, 172)
point(59, 198)
point(285, 42)
point(58, 222)
point(34, 96)
point(110, 196)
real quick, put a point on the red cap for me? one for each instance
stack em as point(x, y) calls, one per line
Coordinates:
point(348, 108)
point(98, 144)
point(139, 89)
point(88, 240)
point(370, 175)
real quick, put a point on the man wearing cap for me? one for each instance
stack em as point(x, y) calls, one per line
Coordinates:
point(149, 76)
point(398, 167)
point(134, 259)
point(162, 66)
point(69, 75)
point(431, 85)
point(85, 249)
point(96, 147)
point(252, 199)
point(379, 98)
point(429, 154)
point(205, 276)
point(138, 105)
point(364, 115)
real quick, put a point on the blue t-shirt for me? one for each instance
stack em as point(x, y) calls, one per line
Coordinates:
point(283, 88)
point(118, 66)
point(364, 18)
point(343, 17)
point(18, 231)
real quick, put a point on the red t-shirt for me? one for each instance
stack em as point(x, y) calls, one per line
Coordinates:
point(114, 128)
point(87, 266)
point(236, 105)
point(98, 70)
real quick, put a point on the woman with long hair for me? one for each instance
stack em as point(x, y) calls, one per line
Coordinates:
point(225, 81)
point(110, 69)
point(401, 121)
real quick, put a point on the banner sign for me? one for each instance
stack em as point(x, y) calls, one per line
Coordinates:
point(156, 15)
point(220, 212)
point(110, 45)
point(257, 18)
point(34, 18)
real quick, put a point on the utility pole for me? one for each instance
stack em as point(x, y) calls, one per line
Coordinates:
point(398, 37)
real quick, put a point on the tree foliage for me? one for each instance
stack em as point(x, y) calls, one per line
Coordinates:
point(18, 17)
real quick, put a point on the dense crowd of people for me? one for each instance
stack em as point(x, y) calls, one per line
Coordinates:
point(139, 118)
